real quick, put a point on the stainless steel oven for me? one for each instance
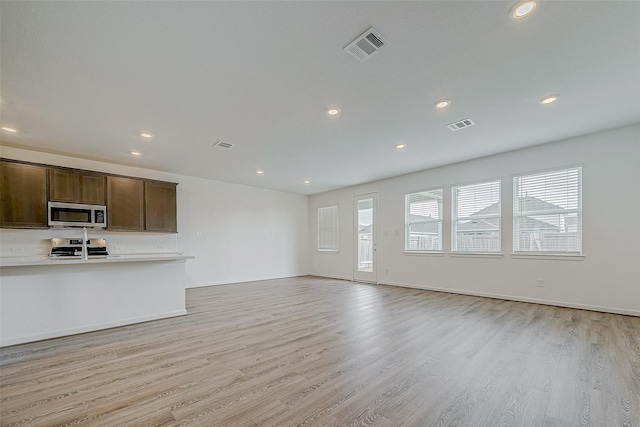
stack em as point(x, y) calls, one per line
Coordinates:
point(60, 214)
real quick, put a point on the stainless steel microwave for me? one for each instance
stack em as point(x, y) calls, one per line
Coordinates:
point(61, 214)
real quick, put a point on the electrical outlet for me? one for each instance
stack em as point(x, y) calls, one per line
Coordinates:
point(540, 283)
point(161, 247)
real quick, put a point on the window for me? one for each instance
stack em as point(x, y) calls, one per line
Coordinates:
point(423, 221)
point(328, 228)
point(475, 218)
point(547, 212)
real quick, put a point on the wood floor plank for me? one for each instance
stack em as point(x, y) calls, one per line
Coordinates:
point(311, 351)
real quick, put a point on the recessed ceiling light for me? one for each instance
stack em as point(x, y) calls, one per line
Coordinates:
point(522, 9)
point(260, 172)
point(333, 111)
point(146, 135)
point(442, 103)
point(307, 182)
point(400, 146)
point(549, 99)
point(135, 153)
point(8, 129)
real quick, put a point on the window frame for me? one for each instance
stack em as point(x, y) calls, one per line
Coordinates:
point(454, 218)
point(440, 221)
point(568, 255)
point(337, 234)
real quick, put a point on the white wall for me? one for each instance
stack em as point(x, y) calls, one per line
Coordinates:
point(608, 278)
point(237, 233)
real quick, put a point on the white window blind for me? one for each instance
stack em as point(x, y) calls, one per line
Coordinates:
point(328, 228)
point(423, 221)
point(547, 212)
point(475, 218)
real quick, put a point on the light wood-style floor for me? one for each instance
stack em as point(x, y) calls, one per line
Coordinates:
point(322, 352)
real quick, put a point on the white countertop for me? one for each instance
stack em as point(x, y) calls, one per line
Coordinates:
point(46, 261)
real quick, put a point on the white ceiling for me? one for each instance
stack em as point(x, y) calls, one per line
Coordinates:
point(85, 78)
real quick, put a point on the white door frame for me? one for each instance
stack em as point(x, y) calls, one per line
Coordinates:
point(365, 276)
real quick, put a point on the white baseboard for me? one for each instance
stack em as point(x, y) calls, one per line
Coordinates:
point(203, 285)
point(233, 282)
point(327, 276)
point(613, 310)
point(89, 328)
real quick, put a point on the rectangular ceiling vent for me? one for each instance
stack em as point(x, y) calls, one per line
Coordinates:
point(465, 123)
point(223, 144)
point(366, 45)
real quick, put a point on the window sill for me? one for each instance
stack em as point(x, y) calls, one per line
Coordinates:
point(424, 253)
point(327, 251)
point(476, 254)
point(554, 257)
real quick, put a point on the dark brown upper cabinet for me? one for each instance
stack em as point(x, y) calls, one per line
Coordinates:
point(133, 204)
point(92, 189)
point(67, 185)
point(125, 204)
point(23, 195)
point(160, 207)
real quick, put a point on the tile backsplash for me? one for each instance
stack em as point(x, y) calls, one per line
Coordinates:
point(25, 243)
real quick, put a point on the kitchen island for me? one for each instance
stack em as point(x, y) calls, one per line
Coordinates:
point(44, 298)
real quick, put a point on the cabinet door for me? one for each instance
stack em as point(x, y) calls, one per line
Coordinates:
point(92, 189)
point(23, 195)
point(160, 203)
point(125, 209)
point(63, 185)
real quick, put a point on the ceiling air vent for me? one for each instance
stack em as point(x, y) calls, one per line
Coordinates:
point(366, 45)
point(465, 123)
point(223, 144)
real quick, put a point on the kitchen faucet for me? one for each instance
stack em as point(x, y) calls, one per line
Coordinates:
point(85, 255)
